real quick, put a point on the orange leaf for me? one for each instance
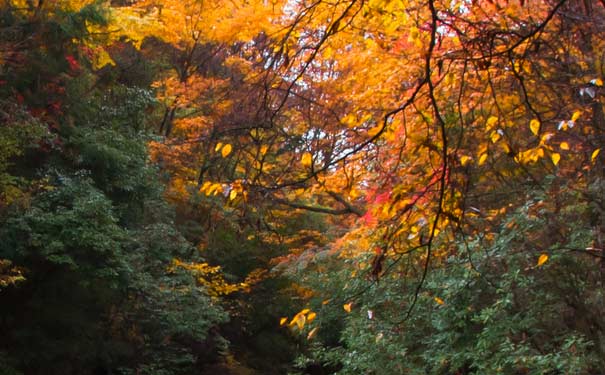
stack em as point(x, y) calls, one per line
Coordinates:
point(439, 300)
point(347, 306)
point(283, 321)
point(226, 150)
point(542, 259)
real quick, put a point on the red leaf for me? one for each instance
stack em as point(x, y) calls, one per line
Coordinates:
point(73, 63)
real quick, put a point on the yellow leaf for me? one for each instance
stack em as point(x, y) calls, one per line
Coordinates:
point(264, 149)
point(307, 159)
point(564, 146)
point(555, 158)
point(226, 150)
point(304, 311)
point(542, 259)
point(325, 302)
point(347, 306)
point(464, 160)
point(283, 321)
point(439, 300)
point(482, 158)
point(597, 82)
point(534, 126)
point(594, 155)
point(218, 146)
point(232, 195)
point(205, 186)
point(576, 115)
point(298, 320)
point(494, 137)
point(491, 122)
point(311, 317)
point(506, 147)
point(312, 333)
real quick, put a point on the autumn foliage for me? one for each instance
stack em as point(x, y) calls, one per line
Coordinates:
point(379, 186)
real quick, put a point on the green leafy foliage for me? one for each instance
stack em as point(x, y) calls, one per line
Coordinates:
point(490, 308)
point(87, 247)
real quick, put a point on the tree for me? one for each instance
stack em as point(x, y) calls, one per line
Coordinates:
point(88, 282)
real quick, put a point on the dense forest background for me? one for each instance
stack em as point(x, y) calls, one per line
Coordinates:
point(302, 187)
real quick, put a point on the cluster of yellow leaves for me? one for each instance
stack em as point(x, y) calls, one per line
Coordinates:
point(211, 278)
point(225, 149)
point(211, 188)
point(302, 318)
point(192, 21)
point(9, 273)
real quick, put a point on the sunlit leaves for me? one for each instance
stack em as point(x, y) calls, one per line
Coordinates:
point(210, 277)
point(225, 149)
point(491, 121)
point(210, 188)
point(300, 320)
